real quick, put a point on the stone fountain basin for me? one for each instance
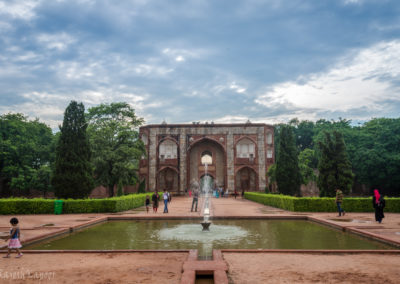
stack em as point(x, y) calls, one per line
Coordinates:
point(223, 234)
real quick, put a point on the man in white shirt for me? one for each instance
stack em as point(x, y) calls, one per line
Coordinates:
point(165, 197)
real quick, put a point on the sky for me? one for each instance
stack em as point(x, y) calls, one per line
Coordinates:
point(178, 61)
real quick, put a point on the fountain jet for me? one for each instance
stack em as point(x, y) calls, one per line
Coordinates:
point(206, 188)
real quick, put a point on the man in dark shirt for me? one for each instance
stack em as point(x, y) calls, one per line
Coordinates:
point(195, 199)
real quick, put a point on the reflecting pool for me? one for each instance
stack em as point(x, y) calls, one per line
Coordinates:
point(223, 234)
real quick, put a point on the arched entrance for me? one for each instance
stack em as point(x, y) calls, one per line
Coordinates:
point(210, 152)
point(246, 179)
point(168, 179)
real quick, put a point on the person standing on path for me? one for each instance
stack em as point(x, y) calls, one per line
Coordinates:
point(379, 203)
point(165, 197)
point(339, 200)
point(195, 200)
point(154, 199)
point(147, 203)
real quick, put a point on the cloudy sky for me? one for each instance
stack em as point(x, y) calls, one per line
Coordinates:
point(198, 60)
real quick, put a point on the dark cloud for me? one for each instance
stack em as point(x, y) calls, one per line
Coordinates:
point(182, 60)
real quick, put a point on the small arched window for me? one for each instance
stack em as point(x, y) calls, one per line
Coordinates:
point(168, 150)
point(245, 148)
point(269, 138)
point(206, 158)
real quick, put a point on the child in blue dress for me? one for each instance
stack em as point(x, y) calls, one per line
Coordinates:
point(14, 236)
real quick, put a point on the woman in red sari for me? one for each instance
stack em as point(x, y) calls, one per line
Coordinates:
point(379, 203)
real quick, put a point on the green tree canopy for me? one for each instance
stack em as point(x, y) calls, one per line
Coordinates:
point(307, 158)
point(334, 166)
point(117, 148)
point(375, 154)
point(304, 133)
point(287, 166)
point(73, 175)
point(25, 153)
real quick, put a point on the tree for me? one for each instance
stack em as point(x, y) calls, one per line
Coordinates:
point(117, 148)
point(142, 186)
point(334, 166)
point(25, 152)
point(375, 154)
point(304, 133)
point(42, 179)
point(73, 175)
point(287, 166)
point(271, 178)
point(306, 161)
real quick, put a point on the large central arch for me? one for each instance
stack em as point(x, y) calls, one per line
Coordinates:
point(217, 168)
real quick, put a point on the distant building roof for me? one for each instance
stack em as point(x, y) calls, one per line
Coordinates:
point(195, 125)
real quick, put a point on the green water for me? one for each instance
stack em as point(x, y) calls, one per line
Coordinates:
point(223, 234)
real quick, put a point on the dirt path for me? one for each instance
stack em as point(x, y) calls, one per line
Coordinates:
point(300, 268)
point(107, 268)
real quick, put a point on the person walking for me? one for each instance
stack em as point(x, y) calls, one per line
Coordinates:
point(379, 203)
point(195, 200)
point(14, 243)
point(147, 203)
point(235, 193)
point(165, 197)
point(339, 201)
point(154, 198)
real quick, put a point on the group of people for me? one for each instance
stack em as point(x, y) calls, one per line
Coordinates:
point(219, 191)
point(378, 202)
point(155, 198)
point(166, 197)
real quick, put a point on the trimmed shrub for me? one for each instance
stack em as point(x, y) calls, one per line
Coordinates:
point(14, 206)
point(26, 206)
point(392, 205)
point(320, 204)
point(89, 206)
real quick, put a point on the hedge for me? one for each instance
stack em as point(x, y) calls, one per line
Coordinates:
point(46, 206)
point(26, 206)
point(320, 204)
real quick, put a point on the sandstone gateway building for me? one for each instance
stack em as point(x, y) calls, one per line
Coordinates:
point(238, 155)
